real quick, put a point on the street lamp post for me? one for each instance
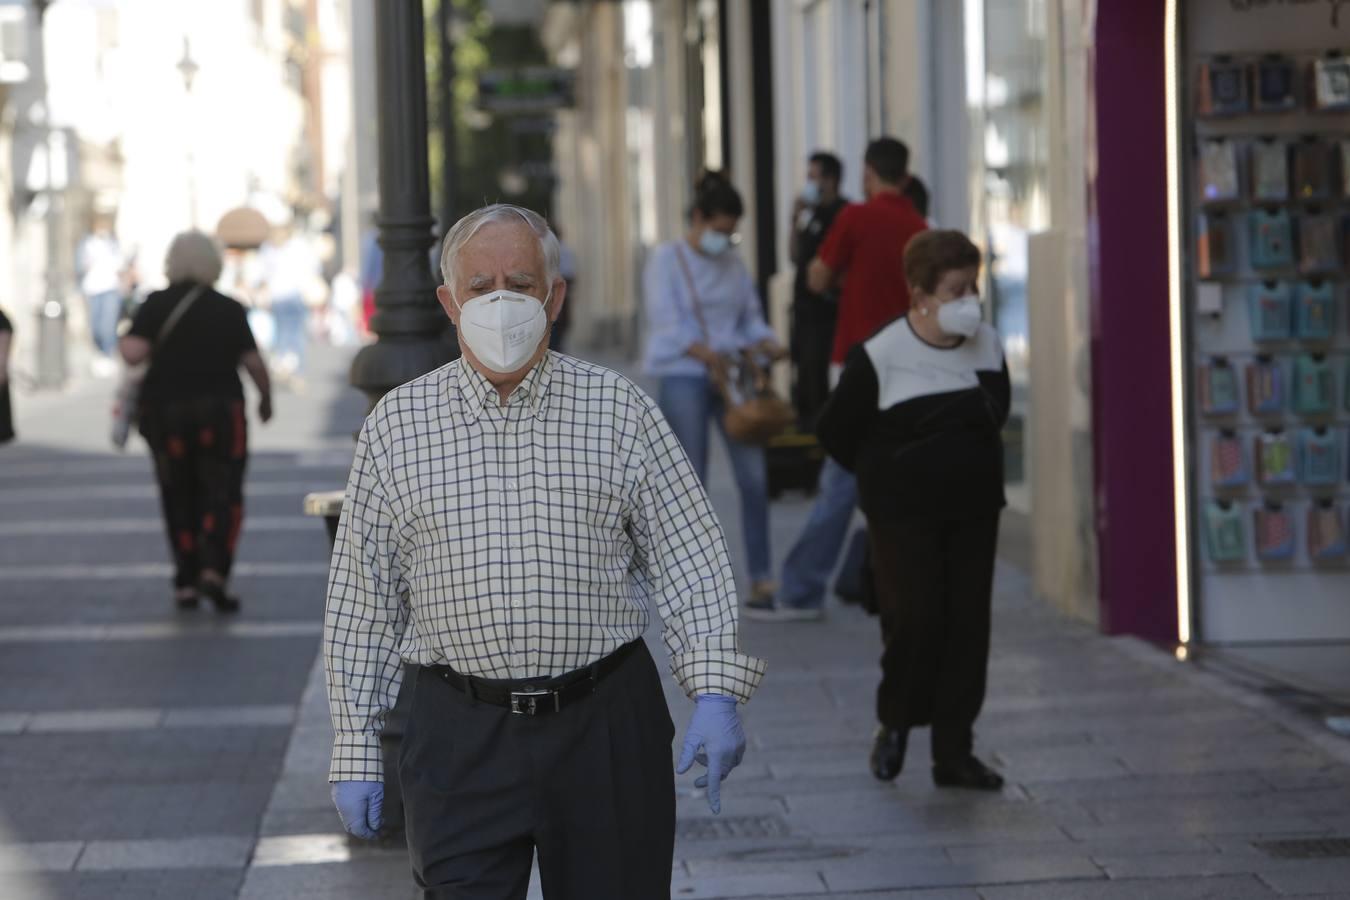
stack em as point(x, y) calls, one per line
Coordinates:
point(51, 348)
point(187, 67)
point(410, 327)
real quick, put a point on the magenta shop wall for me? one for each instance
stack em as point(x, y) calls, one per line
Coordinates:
point(1130, 349)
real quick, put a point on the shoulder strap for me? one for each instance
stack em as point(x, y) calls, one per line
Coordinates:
point(177, 314)
point(693, 294)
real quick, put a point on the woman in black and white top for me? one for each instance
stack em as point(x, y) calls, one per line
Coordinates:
point(917, 416)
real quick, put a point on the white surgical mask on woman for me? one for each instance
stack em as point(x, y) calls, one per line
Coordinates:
point(714, 243)
point(960, 317)
point(503, 328)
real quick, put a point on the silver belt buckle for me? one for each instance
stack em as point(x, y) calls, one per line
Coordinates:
point(526, 703)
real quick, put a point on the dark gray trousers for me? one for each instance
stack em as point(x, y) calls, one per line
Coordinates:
point(591, 788)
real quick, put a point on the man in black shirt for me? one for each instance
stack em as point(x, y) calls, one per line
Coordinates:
point(813, 315)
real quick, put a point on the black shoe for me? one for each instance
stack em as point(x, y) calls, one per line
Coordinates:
point(967, 773)
point(888, 752)
point(215, 592)
point(185, 601)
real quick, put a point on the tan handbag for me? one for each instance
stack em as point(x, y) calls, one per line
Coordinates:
point(755, 414)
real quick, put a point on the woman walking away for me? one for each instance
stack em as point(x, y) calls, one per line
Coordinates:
point(917, 416)
point(705, 317)
point(192, 414)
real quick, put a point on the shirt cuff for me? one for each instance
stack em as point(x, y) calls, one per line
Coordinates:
point(718, 672)
point(357, 757)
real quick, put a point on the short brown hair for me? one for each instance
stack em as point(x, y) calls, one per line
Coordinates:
point(932, 254)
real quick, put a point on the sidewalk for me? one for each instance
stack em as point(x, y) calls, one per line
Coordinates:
point(1130, 776)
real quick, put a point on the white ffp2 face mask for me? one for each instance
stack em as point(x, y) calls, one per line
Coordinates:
point(960, 317)
point(503, 328)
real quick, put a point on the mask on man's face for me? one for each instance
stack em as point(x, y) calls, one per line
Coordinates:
point(503, 328)
point(811, 193)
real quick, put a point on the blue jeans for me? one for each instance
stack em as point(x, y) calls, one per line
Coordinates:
point(689, 403)
point(105, 310)
point(291, 315)
point(812, 558)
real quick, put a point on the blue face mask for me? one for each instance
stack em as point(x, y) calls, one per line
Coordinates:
point(811, 193)
point(714, 243)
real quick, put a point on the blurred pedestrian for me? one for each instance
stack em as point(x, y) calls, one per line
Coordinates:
point(292, 275)
point(917, 416)
point(6, 411)
point(192, 414)
point(863, 249)
point(813, 313)
point(705, 319)
point(567, 267)
point(558, 513)
point(101, 266)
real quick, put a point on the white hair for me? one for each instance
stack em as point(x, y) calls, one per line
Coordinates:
point(503, 213)
point(193, 256)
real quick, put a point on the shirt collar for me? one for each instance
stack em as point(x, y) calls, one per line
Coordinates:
point(476, 392)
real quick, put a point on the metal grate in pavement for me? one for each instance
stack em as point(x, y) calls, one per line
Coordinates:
point(730, 827)
point(1306, 848)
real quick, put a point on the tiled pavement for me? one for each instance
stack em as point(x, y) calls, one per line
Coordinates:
point(171, 770)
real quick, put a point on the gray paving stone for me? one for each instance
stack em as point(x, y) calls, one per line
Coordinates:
point(181, 884)
point(94, 720)
point(1314, 876)
point(864, 876)
point(182, 853)
point(1236, 887)
point(229, 716)
point(50, 856)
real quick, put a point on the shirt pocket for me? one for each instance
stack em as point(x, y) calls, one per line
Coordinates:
point(584, 506)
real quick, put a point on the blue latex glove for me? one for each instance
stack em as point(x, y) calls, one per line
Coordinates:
point(714, 739)
point(361, 806)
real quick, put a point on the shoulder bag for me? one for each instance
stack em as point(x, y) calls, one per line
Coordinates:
point(127, 408)
point(754, 413)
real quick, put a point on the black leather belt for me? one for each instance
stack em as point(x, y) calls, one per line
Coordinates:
point(535, 696)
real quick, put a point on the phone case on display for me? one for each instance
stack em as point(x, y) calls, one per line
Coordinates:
point(1276, 465)
point(1326, 533)
point(1218, 388)
point(1227, 468)
point(1275, 85)
point(1214, 246)
point(1219, 171)
point(1331, 82)
point(1274, 534)
point(1223, 88)
point(1320, 453)
point(1313, 164)
point(1224, 534)
point(1272, 232)
point(1314, 385)
point(1315, 311)
point(1269, 311)
point(1319, 242)
point(1270, 170)
point(1265, 387)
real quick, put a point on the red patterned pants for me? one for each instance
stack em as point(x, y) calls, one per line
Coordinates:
point(200, 449)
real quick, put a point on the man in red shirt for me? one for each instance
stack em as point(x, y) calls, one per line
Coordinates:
point(865, 248)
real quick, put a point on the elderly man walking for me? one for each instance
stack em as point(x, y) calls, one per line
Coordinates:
point(510, 521)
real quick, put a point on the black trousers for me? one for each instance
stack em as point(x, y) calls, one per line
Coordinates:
point(591, 788)
point(200, 449)
point(934, 579)
point(812, 340)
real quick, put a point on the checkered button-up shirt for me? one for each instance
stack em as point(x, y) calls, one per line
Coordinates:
point(519, 541)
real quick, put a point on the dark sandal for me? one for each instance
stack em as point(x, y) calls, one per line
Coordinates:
point(223, 602)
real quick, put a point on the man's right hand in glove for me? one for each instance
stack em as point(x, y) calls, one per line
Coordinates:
point(361, 806)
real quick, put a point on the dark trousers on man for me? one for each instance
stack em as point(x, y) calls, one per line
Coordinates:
point(591, 788)
point(812, 340)
point(200, 448)
point(934, 579)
